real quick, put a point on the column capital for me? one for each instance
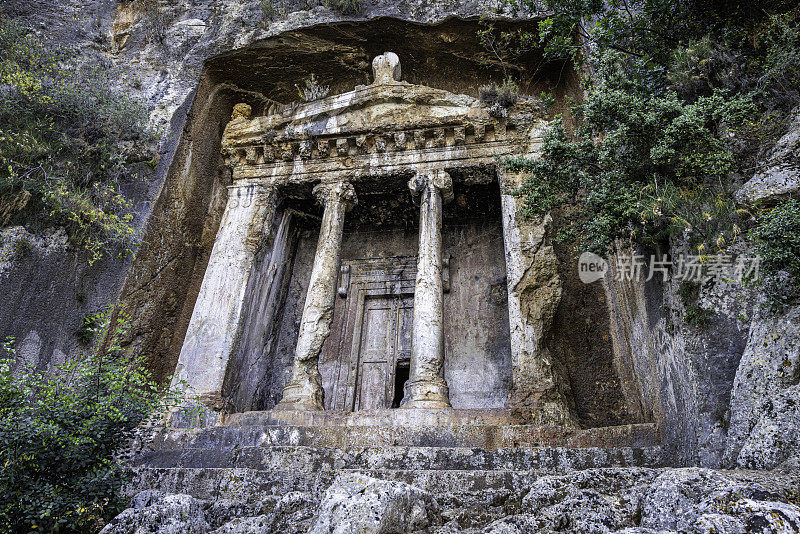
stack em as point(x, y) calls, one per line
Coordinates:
point(336, 191)
point(438, 179)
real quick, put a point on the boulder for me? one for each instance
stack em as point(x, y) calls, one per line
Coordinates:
point(358, 504)
point(155, 513)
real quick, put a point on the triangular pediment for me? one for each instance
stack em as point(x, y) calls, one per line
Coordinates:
point(376, 129)
point(395, 106)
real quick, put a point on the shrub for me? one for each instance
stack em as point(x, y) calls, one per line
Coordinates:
point(346, 7)
point(500, 97)
point(777, 242)
point(272, 9)
point(60, 433)
point(777, 238)
point(678, 100)
point(312, 89)
point(693, 313)
point(61, 128)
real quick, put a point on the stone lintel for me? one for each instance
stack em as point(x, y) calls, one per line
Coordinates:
point(355, 168)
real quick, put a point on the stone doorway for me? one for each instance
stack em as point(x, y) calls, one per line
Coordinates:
point(384, 343)
point(372, 338)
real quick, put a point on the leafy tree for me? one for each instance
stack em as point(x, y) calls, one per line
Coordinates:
point(61, 131)
point(60, 433)
point(680, 97)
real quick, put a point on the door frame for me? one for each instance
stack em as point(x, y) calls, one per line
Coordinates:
point(369, 278)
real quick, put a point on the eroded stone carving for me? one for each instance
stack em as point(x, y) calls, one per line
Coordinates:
point(540, 391)
point(217, 315)
point(304, 390)
point(426, 388)
point(386, 129)
point(386, 68)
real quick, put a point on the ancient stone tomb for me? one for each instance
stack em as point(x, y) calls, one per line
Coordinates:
point(371, 258)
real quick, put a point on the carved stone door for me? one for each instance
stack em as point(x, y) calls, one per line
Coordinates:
point(367, 360)
point(385, 342)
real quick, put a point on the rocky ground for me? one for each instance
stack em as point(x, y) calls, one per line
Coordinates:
point(629, 500)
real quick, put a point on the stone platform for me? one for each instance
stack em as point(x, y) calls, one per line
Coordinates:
point(279, 451)
point(484, 429)
point(474, 461)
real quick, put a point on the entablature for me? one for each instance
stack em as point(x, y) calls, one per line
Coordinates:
point(379, 129)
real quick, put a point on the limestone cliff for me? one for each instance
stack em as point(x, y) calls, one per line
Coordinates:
point(724, 395)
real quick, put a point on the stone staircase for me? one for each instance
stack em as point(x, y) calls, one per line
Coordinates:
point(466, 455)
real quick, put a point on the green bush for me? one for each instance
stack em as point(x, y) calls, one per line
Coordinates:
point(61, 128)
point(346, 7)
point(60, 433)
point(679, 99)
point(777, 238)
point(777, 241)
point(499, 97)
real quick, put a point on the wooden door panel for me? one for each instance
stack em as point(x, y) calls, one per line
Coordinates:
point(375, 331)
point(405, 327)
point(372, 393)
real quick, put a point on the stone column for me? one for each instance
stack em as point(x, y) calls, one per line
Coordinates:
point(426, 388)
point(218, 315)
point(304, 390)
point(540, 391)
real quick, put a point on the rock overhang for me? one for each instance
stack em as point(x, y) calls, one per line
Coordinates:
point(443, 52)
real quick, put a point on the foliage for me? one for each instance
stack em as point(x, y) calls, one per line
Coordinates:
point(59, 433)
point(499, 97)
point(346, 7)
point(777, 238)
point(61, 127)
point(88, 329)
point(272, 9)
point(679, 98)
point(693, 313)
point(312, 89)
point(504, 49)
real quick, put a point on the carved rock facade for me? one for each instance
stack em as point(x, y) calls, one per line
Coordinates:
point(366, 143)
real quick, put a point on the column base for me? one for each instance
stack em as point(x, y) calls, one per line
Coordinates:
point(426, 394)
point(301, 396)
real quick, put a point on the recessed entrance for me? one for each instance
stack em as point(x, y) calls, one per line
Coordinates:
point(383, 341)
point(401, 374)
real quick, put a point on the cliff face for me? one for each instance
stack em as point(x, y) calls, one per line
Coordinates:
point(725, 394)
point(722, 390)
point(191, 62)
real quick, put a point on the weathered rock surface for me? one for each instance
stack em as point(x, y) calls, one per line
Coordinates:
point(165, 514)
point(710, 385)
point(629, 500)
point(765, 399)
point(779, 176)
point(357, 503)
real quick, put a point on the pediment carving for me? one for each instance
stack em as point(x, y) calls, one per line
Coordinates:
point(386, 124)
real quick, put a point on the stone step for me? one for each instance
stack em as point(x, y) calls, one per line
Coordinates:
point(304, 459)
point(378, 417)
point(485, 436)
point(249, 485)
